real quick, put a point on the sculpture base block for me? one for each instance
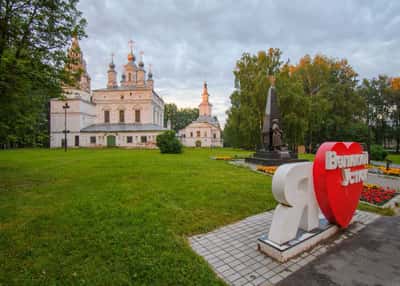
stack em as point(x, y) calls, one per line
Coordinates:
point(303, 242)
point(273, 158)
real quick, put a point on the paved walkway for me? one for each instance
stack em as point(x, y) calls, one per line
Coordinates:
point(384, 181)
point(232, 250)
point(369, 258)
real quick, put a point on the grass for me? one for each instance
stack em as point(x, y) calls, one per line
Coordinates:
point(309, 157)
point(395, 158)
point(381, 211)
point(117, 217)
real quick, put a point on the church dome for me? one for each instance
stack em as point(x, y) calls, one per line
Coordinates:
point(131, 57)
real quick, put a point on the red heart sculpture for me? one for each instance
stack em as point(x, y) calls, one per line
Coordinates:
point(337, 202)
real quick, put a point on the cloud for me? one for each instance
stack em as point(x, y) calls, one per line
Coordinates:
point(189, 42)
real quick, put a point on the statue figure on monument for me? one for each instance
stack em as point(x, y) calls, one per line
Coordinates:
point(276, 135)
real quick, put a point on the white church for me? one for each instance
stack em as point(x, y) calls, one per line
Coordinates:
point(205, 131)
point(128, 114)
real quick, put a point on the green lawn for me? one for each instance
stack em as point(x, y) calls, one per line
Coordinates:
point(117, 217)
point(394, 157)
point(309, 157)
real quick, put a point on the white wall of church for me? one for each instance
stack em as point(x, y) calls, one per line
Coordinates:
point(136, 140)
point(80, 115)
point(151, 107)
point(207, 134)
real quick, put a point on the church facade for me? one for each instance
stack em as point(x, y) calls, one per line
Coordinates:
point(128, 114)
point(205, 131)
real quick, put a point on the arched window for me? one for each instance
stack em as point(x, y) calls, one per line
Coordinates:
point(137, 115)
point(121, 116)
point(129, 76)
point(106, 116)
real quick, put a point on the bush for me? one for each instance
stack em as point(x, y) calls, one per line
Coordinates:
point(378, 153)
point(168, 143)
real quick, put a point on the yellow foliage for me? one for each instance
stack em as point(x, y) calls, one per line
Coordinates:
point(396, 83)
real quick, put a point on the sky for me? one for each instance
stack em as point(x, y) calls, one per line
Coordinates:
point(189, 42)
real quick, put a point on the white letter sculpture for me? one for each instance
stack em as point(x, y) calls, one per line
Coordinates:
point(292, 186)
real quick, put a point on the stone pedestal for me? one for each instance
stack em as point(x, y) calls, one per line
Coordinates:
point(304, 241)
point(273, 158)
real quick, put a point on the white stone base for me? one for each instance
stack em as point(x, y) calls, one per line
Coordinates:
point(303, 242)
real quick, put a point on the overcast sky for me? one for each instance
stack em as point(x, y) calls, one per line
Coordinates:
point(189, 42)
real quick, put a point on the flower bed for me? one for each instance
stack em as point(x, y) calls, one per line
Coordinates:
point(267, 169)
point(390, 171)
point(376, 195)
point(224, 158)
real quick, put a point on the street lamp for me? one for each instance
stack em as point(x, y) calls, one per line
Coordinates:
point(65, 107)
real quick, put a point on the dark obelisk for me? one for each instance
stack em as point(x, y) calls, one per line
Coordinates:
point(272, 152)
point(271, 113)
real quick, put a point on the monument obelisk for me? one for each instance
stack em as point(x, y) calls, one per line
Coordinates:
point(271, 113)
point(273, 152)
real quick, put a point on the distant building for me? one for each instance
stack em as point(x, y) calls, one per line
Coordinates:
point(205, 131)
point(128, 115)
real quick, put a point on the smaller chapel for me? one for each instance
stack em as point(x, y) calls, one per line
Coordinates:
point(205, 131)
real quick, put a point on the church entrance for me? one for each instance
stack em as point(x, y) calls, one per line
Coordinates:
point(110, 141)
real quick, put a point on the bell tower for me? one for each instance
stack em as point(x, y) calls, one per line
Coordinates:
point(205, 106)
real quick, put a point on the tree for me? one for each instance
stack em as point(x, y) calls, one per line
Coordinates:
point(381, 112)
point(180, 118)
point(170, 113)
point(245, 117)
point(294, 106)
point(168, 143)
point(33, 35)
point(318, 100)
point(335, 105)
point(394, 102)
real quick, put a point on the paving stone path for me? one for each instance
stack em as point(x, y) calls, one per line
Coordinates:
point(369, 258)
point(232, 250)
point(384, 181)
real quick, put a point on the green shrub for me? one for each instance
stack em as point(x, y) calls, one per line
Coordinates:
point(378, 153)
point(168, 143)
